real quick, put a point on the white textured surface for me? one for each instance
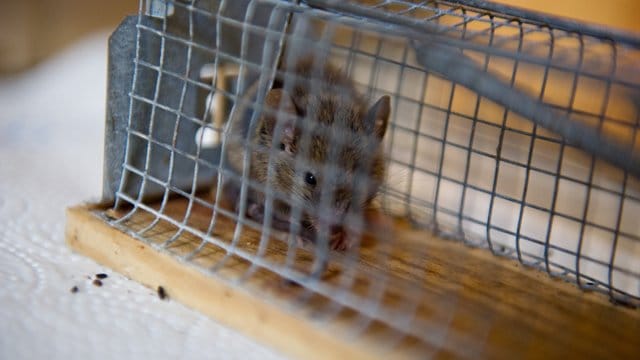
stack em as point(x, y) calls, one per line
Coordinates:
point(51, 134)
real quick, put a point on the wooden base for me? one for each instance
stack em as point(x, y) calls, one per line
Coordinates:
point(468, 303)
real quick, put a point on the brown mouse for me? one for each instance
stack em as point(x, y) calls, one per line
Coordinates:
point(323, 144)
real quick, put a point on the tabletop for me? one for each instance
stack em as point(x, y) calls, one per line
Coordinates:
point(51, 136)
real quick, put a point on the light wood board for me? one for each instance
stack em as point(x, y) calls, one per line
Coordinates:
point(479, 305)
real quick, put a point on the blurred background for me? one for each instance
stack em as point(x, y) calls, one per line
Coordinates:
point(32, 30)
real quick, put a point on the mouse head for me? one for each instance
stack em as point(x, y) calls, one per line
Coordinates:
point(327, 155)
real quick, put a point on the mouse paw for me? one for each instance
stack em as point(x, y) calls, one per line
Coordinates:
point(255, 211)
point(301, 242)
point(298, 241)
point(340, 241)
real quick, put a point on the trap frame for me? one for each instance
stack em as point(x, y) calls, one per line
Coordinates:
point(510, 131)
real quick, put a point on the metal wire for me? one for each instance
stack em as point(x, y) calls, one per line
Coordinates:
point(509, 130)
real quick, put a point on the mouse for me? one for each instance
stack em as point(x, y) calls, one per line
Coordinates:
point(317, 143)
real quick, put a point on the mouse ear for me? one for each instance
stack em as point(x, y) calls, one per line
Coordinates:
point(280, 101)
point(378, 116)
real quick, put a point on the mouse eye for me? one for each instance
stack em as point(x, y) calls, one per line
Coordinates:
point(310, 179)
point(282, 146)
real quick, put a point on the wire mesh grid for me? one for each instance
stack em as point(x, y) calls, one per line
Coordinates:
point(463, 159)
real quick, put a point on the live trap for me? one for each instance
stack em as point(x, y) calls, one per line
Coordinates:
point(510, 133)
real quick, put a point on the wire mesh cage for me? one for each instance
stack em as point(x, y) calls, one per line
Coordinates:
point(507, 130)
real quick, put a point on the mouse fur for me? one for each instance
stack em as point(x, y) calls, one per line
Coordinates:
point(322, 142)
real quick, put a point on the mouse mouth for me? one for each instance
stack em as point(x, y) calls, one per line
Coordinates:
point(314, 225)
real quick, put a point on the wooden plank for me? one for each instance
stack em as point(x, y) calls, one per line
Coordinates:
point(481, 304)
point(89, 235)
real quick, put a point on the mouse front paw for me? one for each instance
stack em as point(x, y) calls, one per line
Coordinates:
point(255, 211)
point(340, 240)
point(298, 241)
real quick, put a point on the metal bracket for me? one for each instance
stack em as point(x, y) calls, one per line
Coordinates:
point(118, 131)
point(156, 88)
